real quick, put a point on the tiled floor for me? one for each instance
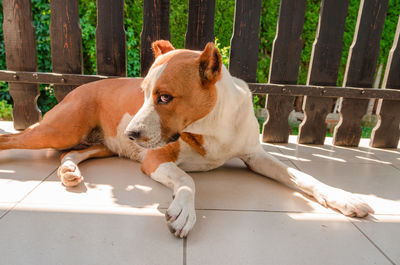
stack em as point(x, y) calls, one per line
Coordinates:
point(116, 216)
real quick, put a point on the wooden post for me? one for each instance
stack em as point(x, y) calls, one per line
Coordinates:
point(66, 42)
point(386, 133)
point(20, 46)
point(155, 27)
point(324, 66)
point(245, 41)
point(285, 62)
point(110, 38)
point(360, 70)
point(200, 29)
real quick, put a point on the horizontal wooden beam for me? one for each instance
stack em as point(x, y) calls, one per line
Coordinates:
point(256, 88)
point(49, 78)
point(324, 91)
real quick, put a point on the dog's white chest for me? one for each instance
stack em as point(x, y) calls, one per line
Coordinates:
point(216, 155)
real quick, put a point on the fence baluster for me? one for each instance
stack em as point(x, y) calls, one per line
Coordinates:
point(20, 47)
point(285, 62)
point(324, 66)
point(155, 27)
point(110, 38)
point(386, 133)
point(360, 70)
point(66, 42)
point(200, 29)
point(245, 40)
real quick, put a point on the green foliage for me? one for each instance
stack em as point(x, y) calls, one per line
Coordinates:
point(178, 22)
point(41, 22)
point(223, 21)
point(88, 21)
point(47, 99)
point(308, 36)
point(350, 25)
point(389, 29)
point(224, 52)
point(133, 27)
point(268, 23)
point(5, 111)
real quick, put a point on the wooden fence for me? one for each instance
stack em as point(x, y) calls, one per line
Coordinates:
point(319, 92)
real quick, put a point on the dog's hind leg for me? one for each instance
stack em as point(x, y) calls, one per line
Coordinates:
point(37, 137)
point(267, 165)
point(69, 172)
point(62, 127)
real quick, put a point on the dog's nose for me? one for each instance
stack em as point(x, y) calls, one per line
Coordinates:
point(133, 135)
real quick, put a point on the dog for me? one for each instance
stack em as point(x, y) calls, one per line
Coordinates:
point(187, 114)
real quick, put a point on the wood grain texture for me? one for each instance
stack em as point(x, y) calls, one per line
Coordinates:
point(111, 38)
point(386, 133)
point(20, 47)
point(360, 70)
point(66, 42)
point(323, 91)
point(245, 40)
point(155, 27)
point(255, 88)
point(49, 78)
point(200, 29)
point(324, 66)
point(284, 68)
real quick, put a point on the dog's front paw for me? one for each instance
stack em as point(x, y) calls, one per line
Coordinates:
point(181, 215)
point(69, 174)
point(347, 203)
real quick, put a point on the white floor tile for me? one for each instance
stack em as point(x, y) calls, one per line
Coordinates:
point(50, 237)
point(222, 237)
point(108, 182)
point(378, 184)
point(23, 170)
point(233, 186)
point(384, 231)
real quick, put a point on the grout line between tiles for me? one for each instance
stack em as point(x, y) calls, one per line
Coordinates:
point(26, 195)
point(294, 164)
point(372, 242)
point(184, 251)
point(260, 211)
point(395, 167)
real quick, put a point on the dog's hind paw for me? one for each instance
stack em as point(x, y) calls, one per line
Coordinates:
point(347, 203)
point(181, 215)
point(69, 174)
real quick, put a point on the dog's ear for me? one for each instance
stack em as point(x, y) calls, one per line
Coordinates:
point(161, 46)
point(210, 64)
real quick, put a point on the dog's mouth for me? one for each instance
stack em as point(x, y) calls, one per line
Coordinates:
point(174, 138)
point(150, 144)
point(158, 142)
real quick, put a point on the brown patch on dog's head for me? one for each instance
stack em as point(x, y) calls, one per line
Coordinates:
point(185, 91)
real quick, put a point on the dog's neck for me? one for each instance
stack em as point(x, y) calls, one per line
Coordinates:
point(232, 94)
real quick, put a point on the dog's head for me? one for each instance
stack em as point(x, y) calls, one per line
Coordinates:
point(179, 90)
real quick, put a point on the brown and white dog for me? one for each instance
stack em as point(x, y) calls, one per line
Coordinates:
point(187, 114)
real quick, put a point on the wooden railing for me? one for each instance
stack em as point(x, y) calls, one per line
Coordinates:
point(319, 92)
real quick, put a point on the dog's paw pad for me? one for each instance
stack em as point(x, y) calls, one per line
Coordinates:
point(69, 174)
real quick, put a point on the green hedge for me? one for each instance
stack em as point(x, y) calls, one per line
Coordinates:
point(178, 21)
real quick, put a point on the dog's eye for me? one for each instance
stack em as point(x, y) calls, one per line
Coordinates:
point(164, 99)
